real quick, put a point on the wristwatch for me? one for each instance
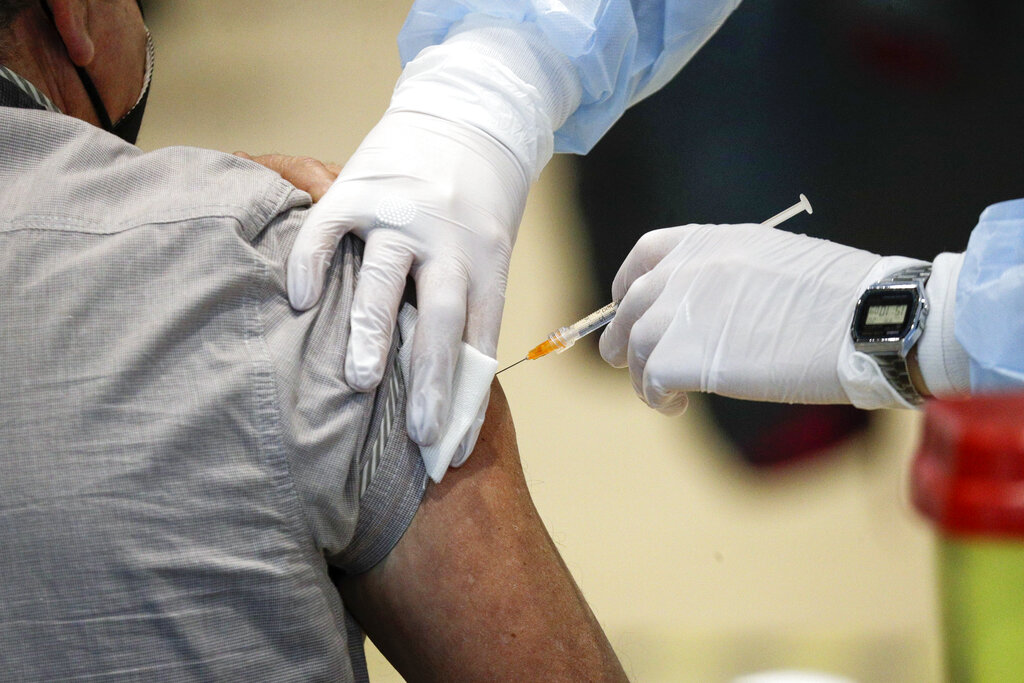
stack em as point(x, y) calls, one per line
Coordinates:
point(888, 321)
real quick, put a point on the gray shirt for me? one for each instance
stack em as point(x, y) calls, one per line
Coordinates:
point(180, 457)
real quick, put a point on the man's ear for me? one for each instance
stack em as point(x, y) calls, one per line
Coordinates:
point(72, 20)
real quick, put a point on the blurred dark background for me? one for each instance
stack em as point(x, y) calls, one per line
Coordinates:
point(899, 120)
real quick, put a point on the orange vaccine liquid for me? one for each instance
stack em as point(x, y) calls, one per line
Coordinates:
point(544, 349)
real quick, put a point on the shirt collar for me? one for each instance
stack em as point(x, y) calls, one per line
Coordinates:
point(34, 93)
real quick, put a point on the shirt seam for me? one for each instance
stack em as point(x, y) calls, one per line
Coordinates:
point(278, 205)
point(265, 389)
point(280, 196)
point(77, 224)
point(284, 192)
point(265, 384)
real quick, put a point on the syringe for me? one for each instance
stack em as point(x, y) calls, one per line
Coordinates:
point(564, 337)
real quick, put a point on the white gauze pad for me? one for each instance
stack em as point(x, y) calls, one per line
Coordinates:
point(473, 375)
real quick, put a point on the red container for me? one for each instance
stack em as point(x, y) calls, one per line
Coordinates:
point(968, 478)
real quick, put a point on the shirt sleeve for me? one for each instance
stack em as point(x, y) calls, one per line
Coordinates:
point(622, 50)
point(990, 299)
point(391, 474)
point(358, 476)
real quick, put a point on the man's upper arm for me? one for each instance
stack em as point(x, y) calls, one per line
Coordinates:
point(475, 589)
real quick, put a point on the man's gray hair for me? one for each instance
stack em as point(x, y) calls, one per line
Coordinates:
point(9, 9)
point(12, 8)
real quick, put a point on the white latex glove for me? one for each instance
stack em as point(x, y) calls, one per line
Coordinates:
point(437, 190)
point(744, 311)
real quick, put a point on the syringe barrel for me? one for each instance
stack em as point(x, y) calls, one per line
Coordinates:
point(565, 337)
point(594, 321)
point(562, 338)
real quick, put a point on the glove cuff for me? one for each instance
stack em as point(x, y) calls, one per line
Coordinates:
point(944, 365)
point(859, 374)
point(523, 50)
point(503, 82)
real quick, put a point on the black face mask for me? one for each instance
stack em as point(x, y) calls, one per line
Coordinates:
point(127, 127)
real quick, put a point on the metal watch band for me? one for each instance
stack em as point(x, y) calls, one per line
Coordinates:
point(912, 274)
point(894, 365)
point(897, 373)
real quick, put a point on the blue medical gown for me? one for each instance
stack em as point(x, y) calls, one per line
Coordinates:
point(623, 50)
point(990, 299)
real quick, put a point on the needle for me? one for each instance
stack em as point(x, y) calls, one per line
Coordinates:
point(507, 367)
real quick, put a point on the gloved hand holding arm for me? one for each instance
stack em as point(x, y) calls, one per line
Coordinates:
point(763, 314)
point(437, 190)
point(438, 187)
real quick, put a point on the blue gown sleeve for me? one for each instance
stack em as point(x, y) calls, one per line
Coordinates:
point(990, 299)
point(623, 50)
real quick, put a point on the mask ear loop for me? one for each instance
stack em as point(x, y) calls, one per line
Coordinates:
point(94, 97)
point(90, 88)
point(148, 79)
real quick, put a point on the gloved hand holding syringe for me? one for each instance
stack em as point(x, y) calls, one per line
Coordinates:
point(564, 337)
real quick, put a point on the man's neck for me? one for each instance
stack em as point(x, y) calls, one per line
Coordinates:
point(40, 58)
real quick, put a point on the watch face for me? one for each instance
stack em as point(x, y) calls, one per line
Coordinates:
point(885, 314)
